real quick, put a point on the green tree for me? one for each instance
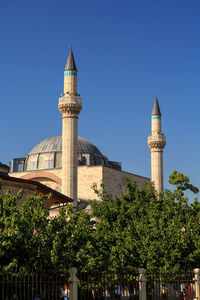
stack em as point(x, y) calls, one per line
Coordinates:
point(35, 234)
point(136, 229)
point(72, 239)
point(31, 241)
point(142, 229)
point(24, 233)
point(10, 238)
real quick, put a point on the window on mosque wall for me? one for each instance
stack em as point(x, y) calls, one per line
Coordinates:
point(19, 167)
point(48, 164)
point(33, 165)
point(46, 161)
point(58, 158)
point(84, 160)
point(32, 162)
point(41, 162)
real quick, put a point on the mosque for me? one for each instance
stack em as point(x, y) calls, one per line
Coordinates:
point(71, 165)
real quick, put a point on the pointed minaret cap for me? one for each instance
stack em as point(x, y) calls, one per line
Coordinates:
point(70, 65)
point(156, 108)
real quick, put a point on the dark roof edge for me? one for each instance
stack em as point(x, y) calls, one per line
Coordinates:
point(36, 183)
point(4, 165)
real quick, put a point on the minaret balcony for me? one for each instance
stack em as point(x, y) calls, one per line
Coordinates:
point(159, 137)
point(67, 98)
point(70, 104)
point(157, 142)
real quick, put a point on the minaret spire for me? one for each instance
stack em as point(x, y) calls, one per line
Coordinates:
point(156, 108)
point(70, 75)
point(70, 106)
point(70, 65)
point(156, 143)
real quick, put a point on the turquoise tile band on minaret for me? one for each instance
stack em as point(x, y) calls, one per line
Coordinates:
point(70, 73)
point(156, 117)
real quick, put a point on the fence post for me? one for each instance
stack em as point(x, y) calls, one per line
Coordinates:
point(142, 284)
point(73, 284)
point(197, 283)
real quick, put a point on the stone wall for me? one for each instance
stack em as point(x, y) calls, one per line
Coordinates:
point(87, 177)
point(114, 180)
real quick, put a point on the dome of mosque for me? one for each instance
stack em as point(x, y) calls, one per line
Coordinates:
point(48, 154)
point(54, 144)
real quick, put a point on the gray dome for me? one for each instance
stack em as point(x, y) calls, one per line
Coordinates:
point(54, 144)
point(48, 155)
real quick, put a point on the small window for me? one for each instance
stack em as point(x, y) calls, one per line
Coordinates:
point(19, 167)
point(32, 162)
point(83, 161)
point(58, 160)
point(33, 165)
point(48, 164)
point(41, 162)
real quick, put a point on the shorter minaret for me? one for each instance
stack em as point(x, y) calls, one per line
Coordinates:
point(156, 143)
point(70, 106)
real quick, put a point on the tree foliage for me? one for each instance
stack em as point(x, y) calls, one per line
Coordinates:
point(136, 229)
point(141, 228)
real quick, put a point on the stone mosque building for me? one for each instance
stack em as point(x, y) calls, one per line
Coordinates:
point(71, 165)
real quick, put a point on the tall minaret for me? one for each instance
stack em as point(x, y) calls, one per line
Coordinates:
point(156, 143)
point(70, 106)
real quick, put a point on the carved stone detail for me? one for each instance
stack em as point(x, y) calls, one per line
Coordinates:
point(70, 105)
point(156, 144)
point(70, 108)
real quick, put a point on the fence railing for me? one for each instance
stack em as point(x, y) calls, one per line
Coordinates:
point(170, 286)
point(108, 285)
point(132, 285)
point(31, 286)
point(140, 285)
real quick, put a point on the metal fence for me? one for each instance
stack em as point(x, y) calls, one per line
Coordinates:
point(132, 285)
point(170, 286)
point(127, 286)
point(44, 286)
point(102, 286)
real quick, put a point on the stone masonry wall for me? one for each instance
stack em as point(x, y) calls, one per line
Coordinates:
point(114, 180)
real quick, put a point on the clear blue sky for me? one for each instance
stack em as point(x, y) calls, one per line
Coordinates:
point(126, 52)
